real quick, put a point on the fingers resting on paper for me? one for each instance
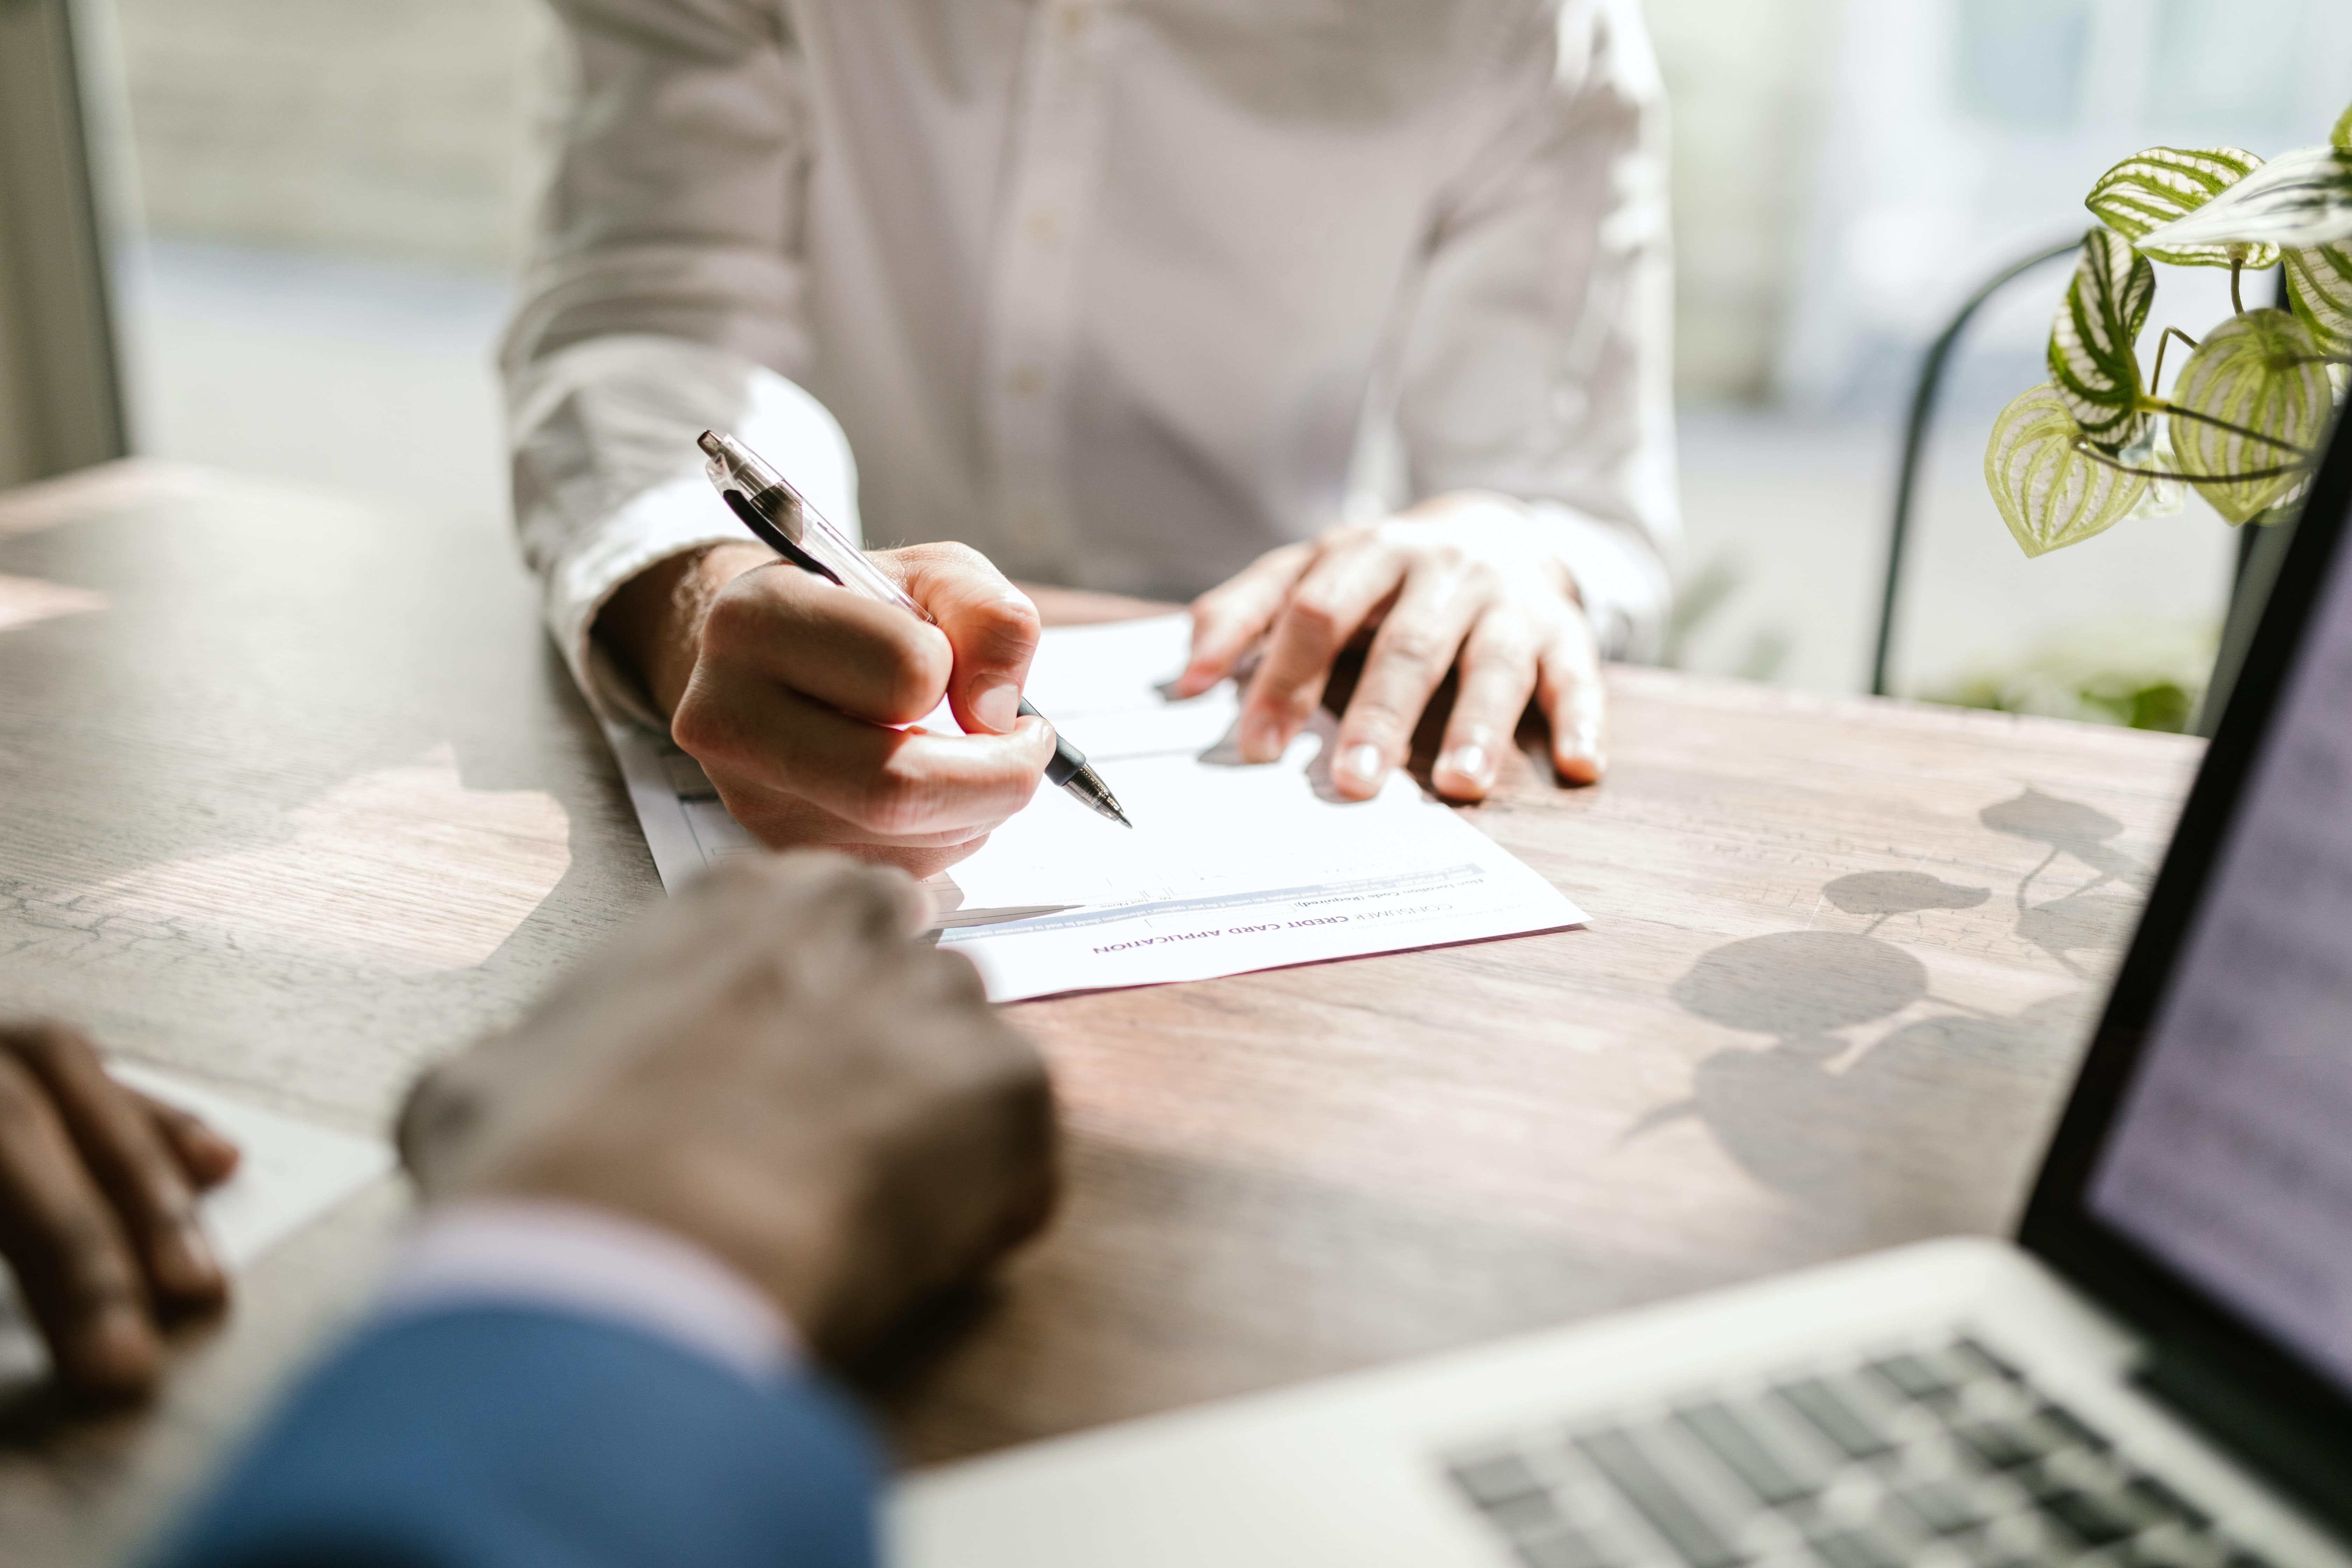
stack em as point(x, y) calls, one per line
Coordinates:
point(1464, 584)
point(98, 1217)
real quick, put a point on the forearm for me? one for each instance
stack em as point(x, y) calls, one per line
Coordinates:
point(1539, 364)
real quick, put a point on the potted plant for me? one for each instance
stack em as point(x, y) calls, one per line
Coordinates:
point(2101, 441)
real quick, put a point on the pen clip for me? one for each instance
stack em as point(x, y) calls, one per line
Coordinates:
point(776, 538)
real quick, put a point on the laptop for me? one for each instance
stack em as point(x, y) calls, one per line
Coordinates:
point(2158, 1372)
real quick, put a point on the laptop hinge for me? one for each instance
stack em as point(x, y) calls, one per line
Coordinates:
point(2310, 1462)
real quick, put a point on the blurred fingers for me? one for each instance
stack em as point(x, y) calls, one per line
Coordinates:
point(134, 1163)
point(208, 1158)
point(1230, 617)
point(990, 623)
point(72, 1261)
point(1348, 584)
point(1408, 657)
point(1568, 689)
point(1499, 674)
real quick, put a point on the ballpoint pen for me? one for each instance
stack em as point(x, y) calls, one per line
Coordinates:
point(783, 520)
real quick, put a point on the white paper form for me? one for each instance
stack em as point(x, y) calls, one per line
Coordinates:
point(290, 1173)
point(1230, 868)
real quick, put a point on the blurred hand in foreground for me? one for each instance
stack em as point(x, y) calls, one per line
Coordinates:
point(771, 1067)
point(796, 695)
point(1462, 580)
point(98, 1209)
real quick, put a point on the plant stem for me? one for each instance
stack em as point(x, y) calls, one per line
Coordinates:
point(2162, 343)
point(2160, 406)
point(2087, 450)
point(2237, 300)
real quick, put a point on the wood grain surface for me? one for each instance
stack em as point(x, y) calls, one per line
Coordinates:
point(297, 796)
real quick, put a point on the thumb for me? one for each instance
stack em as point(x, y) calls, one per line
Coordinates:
point(990, 623)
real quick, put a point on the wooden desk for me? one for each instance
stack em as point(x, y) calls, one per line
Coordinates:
point(297, 796)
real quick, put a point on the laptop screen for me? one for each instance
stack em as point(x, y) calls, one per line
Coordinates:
point(2230, 1155)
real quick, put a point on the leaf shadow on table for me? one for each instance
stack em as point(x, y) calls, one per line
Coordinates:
point(1934, 1126)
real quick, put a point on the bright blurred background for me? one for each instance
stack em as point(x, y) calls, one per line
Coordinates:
point(322, 204)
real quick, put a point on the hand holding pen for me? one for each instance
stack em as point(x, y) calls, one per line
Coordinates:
point(784, 522)
point(799, 700)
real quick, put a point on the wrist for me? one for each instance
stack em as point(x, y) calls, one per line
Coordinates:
point(1502, 522)
point(653, 622)
point(785, 1240)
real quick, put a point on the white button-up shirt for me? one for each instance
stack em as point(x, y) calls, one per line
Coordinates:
point(1121, 292)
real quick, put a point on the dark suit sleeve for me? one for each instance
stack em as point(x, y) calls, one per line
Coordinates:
point(470, 1438)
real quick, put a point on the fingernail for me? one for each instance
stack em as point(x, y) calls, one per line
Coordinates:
point(1261, 738)
point(996, 704)
point(185, 1261)
point(1364, 765)
point(1471, 763)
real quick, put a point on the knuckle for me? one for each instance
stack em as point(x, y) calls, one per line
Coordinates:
point(696, 727)
point(1415, 644)
point(916, 676)
point(891, 801)
point(733, 621)
point(954, 554)
point(1316, 616)
point(1376, 720)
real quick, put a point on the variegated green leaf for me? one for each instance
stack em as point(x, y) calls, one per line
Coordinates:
point(2298, 198)
point(2259, 372)
point(2167, 184)
point(2343, 136)
point(2319, 286)
point(2050, 493)
point(2093, 357)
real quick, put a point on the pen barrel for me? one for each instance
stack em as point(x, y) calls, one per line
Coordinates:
point(1067, 759)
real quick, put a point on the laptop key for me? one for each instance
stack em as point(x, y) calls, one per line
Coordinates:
point(2006, 1444)
point(1982, 1362)
point(1835, 1417)
point(1527, 1515)
point(1690, 1532)
point(1856, 1549)
point(1777, 1476)
point(2093, 1520)
point(1494, 1481)
point(2170, 1504)
point(1940, 1507)
point(1912, 1376)
point(2077, 1430)
point(1561, 1548)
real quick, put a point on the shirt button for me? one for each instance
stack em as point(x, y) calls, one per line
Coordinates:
point(1030, 526)
point(1075, 20)
point(1045, 226)
point(1026, 380)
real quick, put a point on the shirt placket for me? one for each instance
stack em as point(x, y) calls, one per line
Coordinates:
point(1053, 172)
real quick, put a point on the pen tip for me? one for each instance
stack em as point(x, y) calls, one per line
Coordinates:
point(708, 442)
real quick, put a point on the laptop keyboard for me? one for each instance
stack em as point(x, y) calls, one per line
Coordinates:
point(1942, 1455)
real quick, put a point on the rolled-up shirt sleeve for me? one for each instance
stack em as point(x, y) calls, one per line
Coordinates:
point(664, 297)
point(1538, 360)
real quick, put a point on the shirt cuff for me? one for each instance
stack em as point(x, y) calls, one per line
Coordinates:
point(609, 482)
point(1620, 577)
point(593, 1263)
